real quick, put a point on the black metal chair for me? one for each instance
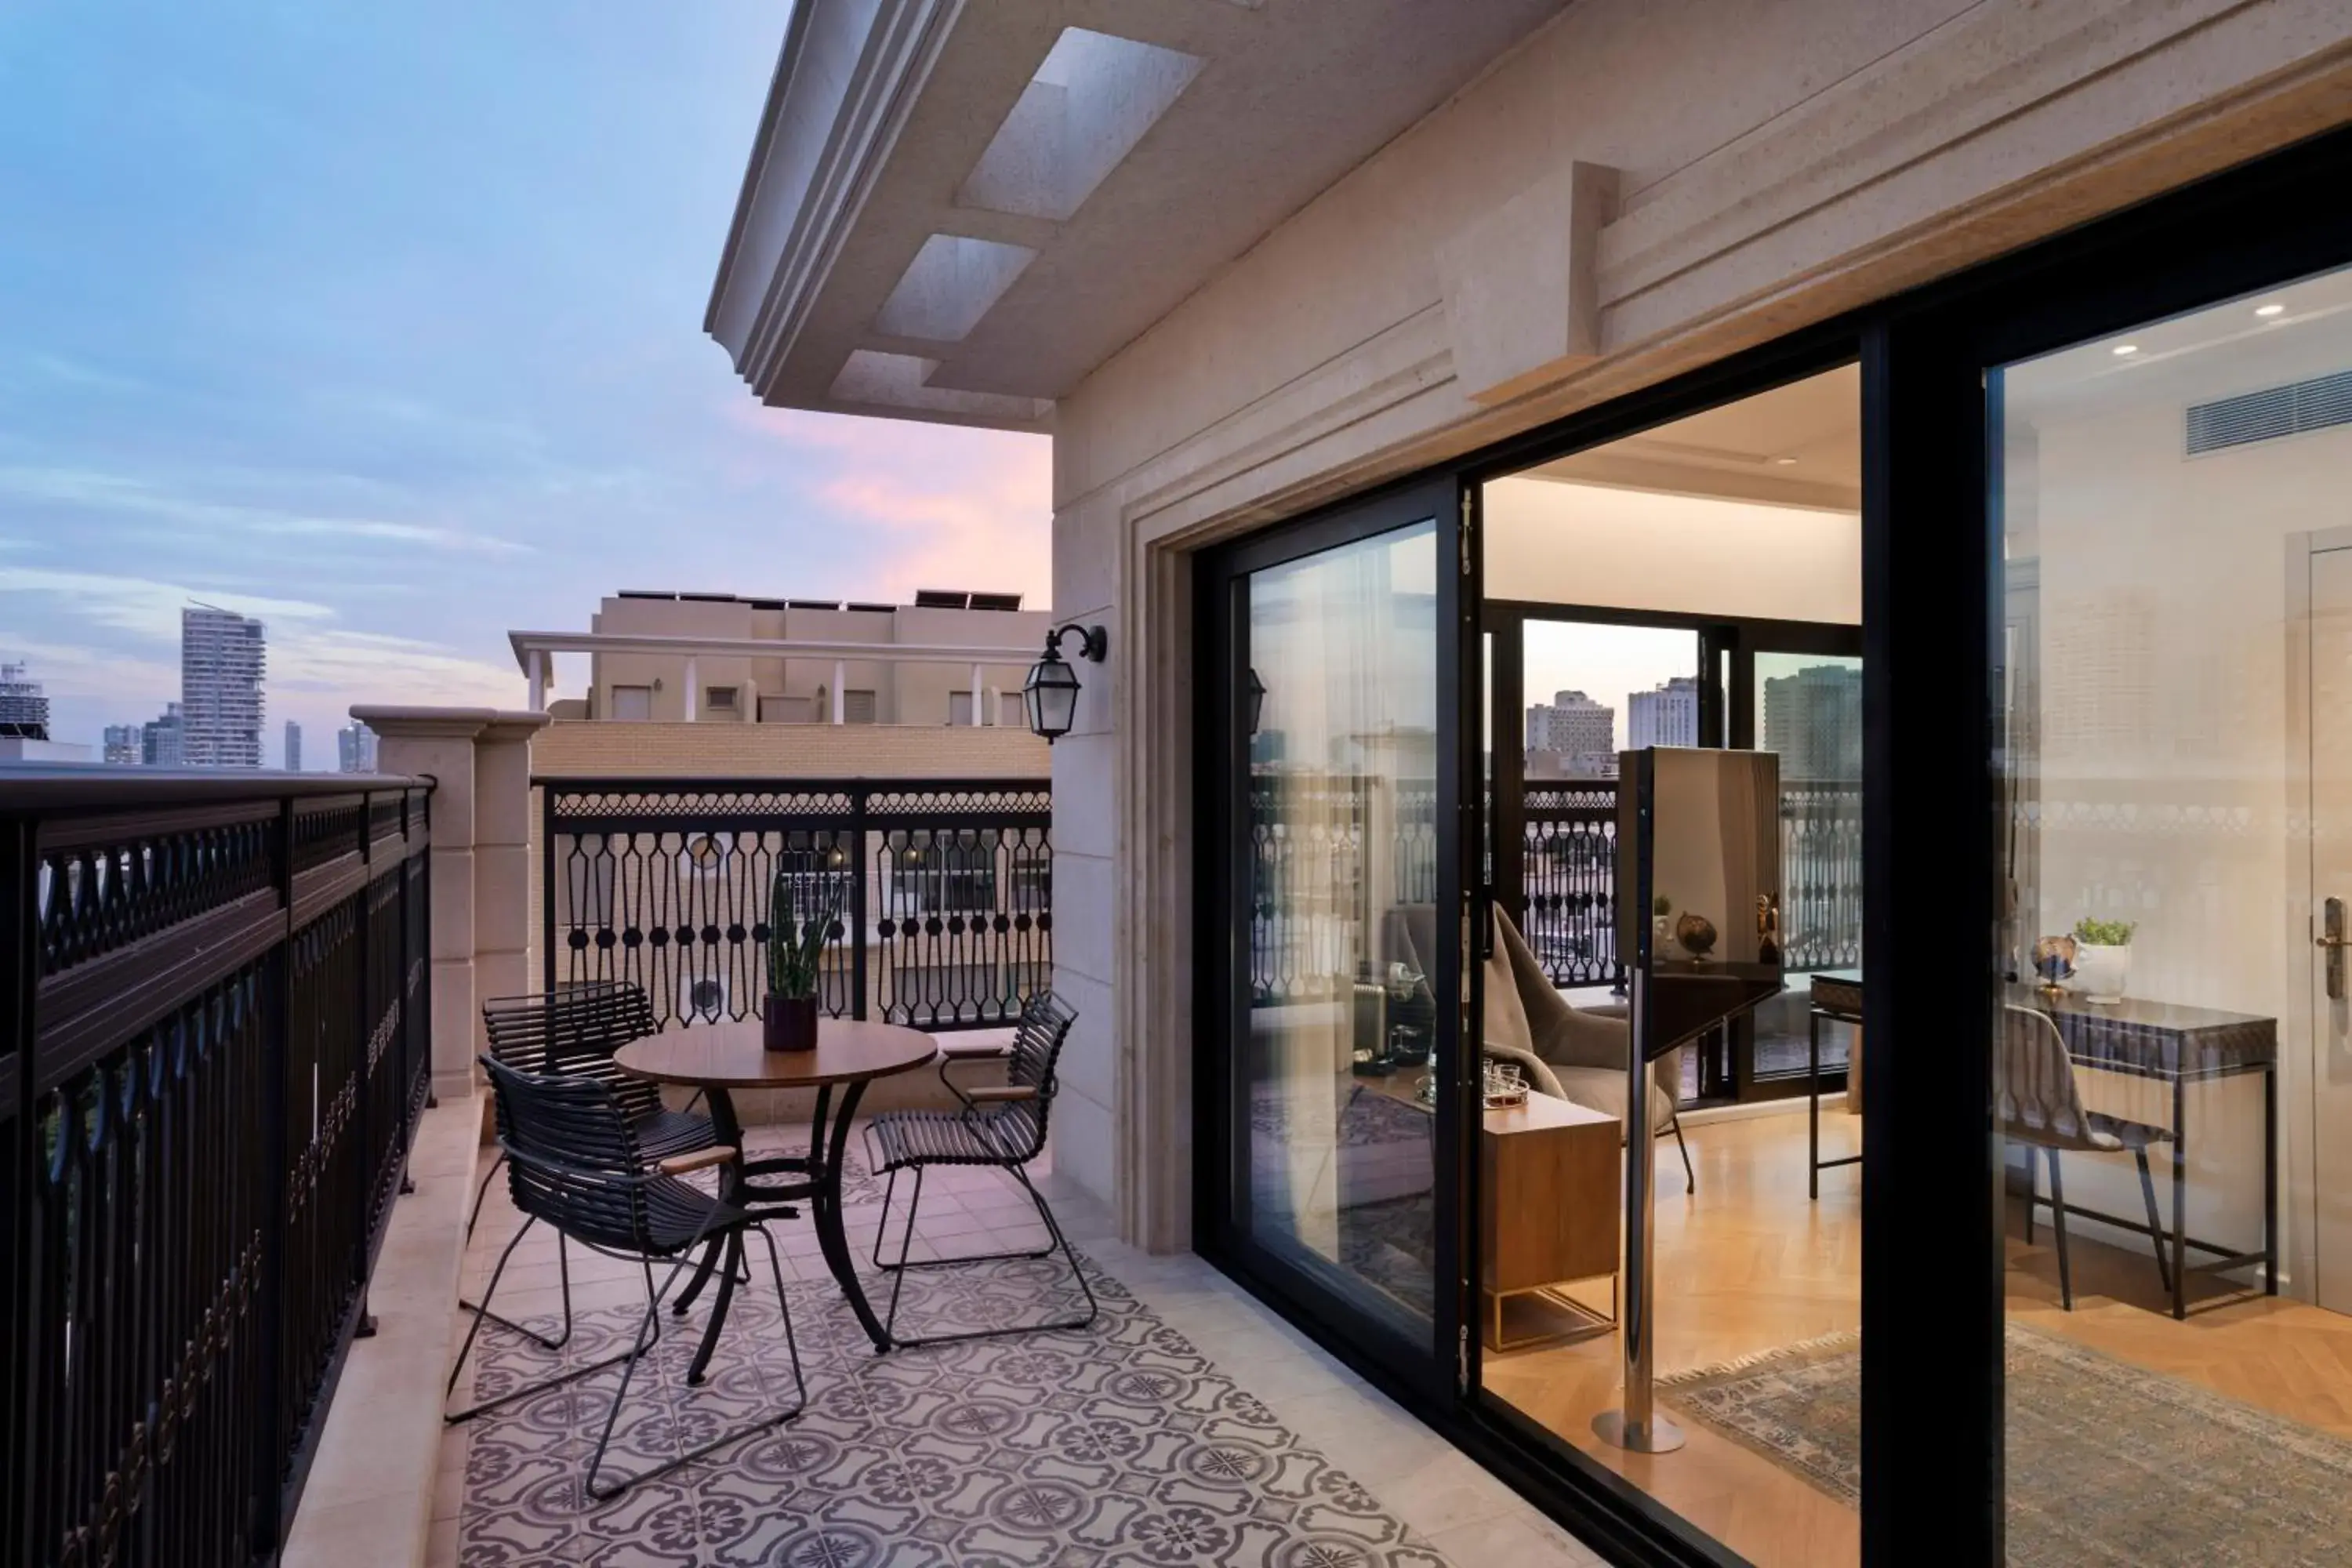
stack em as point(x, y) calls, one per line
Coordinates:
point(997, 1125)
point(575, 1162)
point(2041, 1107)
point(575, 1032)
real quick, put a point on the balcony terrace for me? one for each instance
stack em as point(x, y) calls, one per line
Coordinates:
point(243, 1127)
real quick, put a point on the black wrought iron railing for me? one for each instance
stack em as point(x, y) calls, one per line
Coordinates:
point(1320, 845)
point(1569, 912)
point(1313, 839)
point(941, 892)
point(218, 1004)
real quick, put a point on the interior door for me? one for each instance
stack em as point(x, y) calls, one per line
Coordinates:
point(1338, 973)
point(2331, 920)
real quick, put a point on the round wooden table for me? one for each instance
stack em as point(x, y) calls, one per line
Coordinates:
point(720, 1057)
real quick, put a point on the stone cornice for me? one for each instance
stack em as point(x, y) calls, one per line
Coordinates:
point(389, 720)
point(891, 61)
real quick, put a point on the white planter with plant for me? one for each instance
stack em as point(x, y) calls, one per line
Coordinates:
point(2103, 957)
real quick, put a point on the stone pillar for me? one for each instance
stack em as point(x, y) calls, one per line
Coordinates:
point(693, 690)
point(502, 861)
point(438, 743)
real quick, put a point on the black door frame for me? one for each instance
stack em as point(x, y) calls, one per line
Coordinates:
point(1221, 1160)
point(1932, 1229)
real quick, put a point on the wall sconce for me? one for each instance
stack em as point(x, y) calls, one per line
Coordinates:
point(1050, 695)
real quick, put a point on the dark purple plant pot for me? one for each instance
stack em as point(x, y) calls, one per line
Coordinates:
point(788, 1023)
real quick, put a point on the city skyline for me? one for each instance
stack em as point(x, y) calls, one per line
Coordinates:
point(394, 407)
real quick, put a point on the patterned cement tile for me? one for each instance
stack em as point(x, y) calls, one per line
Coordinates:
point(1117, 1444)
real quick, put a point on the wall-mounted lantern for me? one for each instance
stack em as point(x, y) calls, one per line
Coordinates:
point(1050, 695)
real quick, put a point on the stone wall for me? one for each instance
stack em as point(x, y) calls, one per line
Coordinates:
point(1768, 166)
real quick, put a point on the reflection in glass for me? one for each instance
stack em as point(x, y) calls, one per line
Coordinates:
point(2172, 1089)
point(1343, 917)
point(1592, 690)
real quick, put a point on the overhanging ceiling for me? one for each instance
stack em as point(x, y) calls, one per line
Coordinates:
point(955, 212)
point(1798, 445)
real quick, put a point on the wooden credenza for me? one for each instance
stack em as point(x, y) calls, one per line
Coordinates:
point(1550, 1212)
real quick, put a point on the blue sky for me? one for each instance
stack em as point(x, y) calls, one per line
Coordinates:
point(384, 323)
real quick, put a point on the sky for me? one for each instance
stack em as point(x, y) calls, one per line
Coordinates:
point(1607, 663)
point(383, 323)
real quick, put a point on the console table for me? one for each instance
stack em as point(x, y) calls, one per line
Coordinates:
point(2156, 1040)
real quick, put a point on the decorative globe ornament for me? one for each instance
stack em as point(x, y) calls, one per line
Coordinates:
point(1696, 933)
point(2053, 960)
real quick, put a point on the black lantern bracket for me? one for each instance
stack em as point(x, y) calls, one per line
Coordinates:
point(1094, 642)
point(1050, 696)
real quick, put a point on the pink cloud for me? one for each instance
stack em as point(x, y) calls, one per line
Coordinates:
point(965, 508)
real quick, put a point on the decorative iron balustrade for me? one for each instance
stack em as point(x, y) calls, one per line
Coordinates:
point(941, 892)
point(1820, 876)
point(1329, 854)
point(1570, 882)
point(1311, 898)
point(219, 1010)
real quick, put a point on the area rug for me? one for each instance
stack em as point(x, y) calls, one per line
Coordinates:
point(2108, 1463)
point(1121, 1444)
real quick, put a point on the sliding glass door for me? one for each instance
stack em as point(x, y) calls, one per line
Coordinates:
point(1337, 973)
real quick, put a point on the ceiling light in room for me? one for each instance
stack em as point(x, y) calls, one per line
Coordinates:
point(1784, 462)
point(2268, 310)
point(2125, 350)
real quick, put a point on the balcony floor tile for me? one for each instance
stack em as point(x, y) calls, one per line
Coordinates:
point(1187, 1425)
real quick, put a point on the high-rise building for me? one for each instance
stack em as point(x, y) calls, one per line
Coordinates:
point(1666, 716)
point(1814, 719)
point(221, 658)
point(1572, 734)
point(293, 747)
point(24, 710)
point(162, 738)
point(122, 744)
point(355, 749)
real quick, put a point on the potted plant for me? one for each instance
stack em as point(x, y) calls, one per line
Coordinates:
point(2103, 958)
point(788, 1014)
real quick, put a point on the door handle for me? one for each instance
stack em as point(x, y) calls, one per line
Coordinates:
point(2331, 938)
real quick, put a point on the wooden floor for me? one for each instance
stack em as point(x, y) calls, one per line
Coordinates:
point(1748, 1265)
point(1745, 1265)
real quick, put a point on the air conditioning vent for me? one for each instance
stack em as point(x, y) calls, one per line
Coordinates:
point(2318, 403)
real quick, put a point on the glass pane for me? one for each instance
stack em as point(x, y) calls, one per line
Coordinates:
point(1809, 711)
point(2173, 1071)
point(1343, 824)
point(1592, 690)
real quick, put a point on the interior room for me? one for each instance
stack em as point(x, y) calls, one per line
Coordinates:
point(1695, 585)
point(2175, 1061)
point(2176, 747)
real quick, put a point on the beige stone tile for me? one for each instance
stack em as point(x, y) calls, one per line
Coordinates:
point(1521, 1539)
point(1447, 1493)
point(381, 1532)
point(1363, 1434)
point(441, 1544)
